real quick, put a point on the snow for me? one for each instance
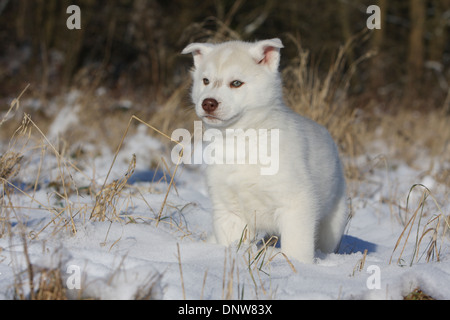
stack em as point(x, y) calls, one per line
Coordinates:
point(66, 117)
point(121, 258)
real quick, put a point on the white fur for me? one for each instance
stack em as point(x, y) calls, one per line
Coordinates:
point(305, 202)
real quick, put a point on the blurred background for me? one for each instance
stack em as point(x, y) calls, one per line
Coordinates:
point(126, 60)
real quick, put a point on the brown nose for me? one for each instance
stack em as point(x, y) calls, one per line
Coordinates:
point(210, 105)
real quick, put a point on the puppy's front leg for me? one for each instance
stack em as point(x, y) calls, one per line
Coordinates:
point(297, 228)
point(228, 227)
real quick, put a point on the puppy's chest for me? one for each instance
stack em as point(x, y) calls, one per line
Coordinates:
point(243, 190)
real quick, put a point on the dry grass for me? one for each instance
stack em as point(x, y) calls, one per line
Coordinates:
point(105, 207)
point(29, 141)
point(434, 230)
point(361, 263)
point(38, 283)
point(418, 294)
point(48, 286)
point(149, 290)
point(10, 165)
point(324, 98)
point(413, 136)
point(42, 283)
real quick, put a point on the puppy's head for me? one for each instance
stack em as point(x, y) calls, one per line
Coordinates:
point(234, 78)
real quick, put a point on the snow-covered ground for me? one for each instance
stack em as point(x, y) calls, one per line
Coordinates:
point(130, 252)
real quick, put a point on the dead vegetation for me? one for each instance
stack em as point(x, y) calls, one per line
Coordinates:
point(418, 295)
point(434, 229)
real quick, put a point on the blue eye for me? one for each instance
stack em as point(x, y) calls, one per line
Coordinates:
point(236, 84)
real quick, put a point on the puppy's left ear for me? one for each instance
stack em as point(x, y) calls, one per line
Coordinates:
point(267, 52)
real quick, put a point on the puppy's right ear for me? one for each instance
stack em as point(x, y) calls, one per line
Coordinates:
point(198, 50)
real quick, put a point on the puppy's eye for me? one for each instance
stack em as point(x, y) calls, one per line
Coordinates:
point(205, 81)
point(236, 84)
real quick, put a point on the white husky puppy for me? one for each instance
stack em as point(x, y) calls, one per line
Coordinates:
point(237, 86)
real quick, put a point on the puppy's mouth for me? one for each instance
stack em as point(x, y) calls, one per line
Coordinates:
point(216, 121)
point(211, 117)
point(213, 120)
